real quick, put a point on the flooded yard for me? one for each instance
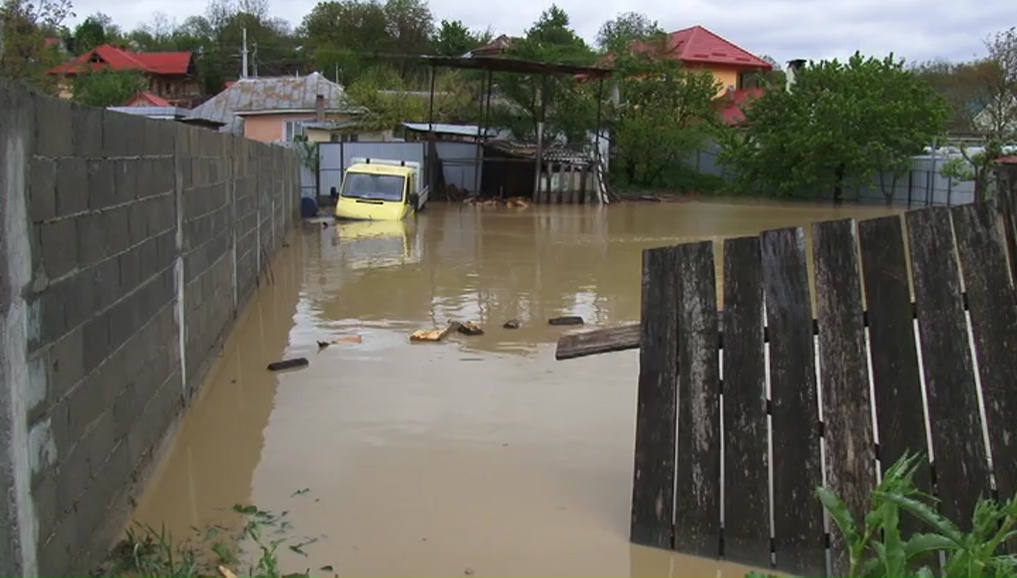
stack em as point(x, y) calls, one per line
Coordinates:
point(480, 455)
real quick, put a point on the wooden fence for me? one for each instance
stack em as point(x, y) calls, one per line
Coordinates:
point(726, 396)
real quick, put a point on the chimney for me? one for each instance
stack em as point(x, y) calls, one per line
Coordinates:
point(793, 68)
point(319, 108)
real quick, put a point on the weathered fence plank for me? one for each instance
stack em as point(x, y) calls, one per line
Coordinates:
point(992, 305)
point(697, 481)
point(900, 420)
point(844, 378)
point(606, 340)
point(746, 470)
point(654, 470)
point(798, 517)
point(959, 452)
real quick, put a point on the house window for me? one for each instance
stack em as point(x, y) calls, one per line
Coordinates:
point(292, 129)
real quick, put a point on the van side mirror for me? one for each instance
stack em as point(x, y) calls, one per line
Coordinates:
point(414, 199)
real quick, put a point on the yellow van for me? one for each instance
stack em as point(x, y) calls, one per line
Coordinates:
point(380, 190)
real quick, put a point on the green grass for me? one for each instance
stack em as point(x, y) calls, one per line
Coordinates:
point(878, 547)
point(251, 549)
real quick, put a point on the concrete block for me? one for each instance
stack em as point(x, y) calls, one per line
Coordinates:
point(47, 504)
point(71, 186)
point(54, 127)
point(66, 363)
point(42, 189)
point(125, 176)
point(97, 341)
point(80, 297)
point(85, 404)
point(49, 306)
point(101, 443)
point(58, 252)
point(166, 247)
point(123, 320)
point(148, 258)
point(55, 552)
point(107, 283)
point(130, 269)
point(125, 410)
point(88, 129)
point(74, 475)
point(137, 221)
point(101, 184)
point(163, 175)
point(123, 135)
point(116, 222)
point(92, 246)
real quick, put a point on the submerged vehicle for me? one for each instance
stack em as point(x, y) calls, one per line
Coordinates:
point(380, 190)
point(378, 244)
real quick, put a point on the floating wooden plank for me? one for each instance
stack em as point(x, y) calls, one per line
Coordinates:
point(798, 516)
point(697, 480)
point(844, 377)
point(959, 451)
point(746, 473)
point(992, 305)
point(900, 420)
point(606, 340)
point(432, 335)
point(654, 470)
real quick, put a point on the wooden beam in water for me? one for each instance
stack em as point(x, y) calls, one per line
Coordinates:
point(597, 341)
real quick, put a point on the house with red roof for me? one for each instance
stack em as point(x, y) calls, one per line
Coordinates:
point(171, 75)
point(736, 70)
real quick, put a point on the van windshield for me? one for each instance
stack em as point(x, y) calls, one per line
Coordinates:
point(373, 187)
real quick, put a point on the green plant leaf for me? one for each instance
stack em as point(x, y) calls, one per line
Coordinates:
point(926, 514)
point(839, 513)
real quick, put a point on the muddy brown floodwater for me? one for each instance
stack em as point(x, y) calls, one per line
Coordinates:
point(480, 454)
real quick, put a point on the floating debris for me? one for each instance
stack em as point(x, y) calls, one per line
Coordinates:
point(347, 339)
point(288, 364)
point(566, 320)
point(469, 328)
point(432, 334)
point(512, 324)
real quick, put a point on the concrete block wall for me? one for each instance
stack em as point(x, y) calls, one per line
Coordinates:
point(129, 246)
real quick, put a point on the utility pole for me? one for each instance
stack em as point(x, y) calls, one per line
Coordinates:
point(243, 52)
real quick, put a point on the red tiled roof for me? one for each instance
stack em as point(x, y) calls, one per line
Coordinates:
point(1007, 160)
point(732, 105)
point(697, 45)
point(145, 98)
point(118, 59)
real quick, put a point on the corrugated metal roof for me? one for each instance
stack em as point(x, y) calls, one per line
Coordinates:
point(167, 112)
point(280, 93)
point(444, 128)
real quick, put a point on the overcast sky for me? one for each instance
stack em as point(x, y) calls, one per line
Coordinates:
point(783, 29)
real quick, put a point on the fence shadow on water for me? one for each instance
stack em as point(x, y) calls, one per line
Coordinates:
point(742, 413)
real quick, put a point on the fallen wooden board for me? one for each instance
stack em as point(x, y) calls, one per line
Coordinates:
point(596, 341)
point(433, 335)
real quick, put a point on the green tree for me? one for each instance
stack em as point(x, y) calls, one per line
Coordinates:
point(844, 124)
point(568, 106)
point(996, 121)
point(617, 35)
point(664, 114)
point(339, 34)
point(454, 39)
point(391, 100)
point(107, 87)
point(24, 27)
point(94, 31)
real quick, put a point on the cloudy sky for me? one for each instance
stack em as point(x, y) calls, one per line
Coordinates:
point(783, 29)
